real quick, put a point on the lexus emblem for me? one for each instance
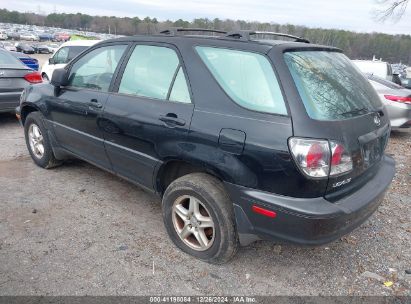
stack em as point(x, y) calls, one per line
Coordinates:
point(377, 120)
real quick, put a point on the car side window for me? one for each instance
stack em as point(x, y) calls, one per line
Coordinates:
point(155, 72)
point(95, 69)
point(246, 77)
point(61, 56)
point(74, 51)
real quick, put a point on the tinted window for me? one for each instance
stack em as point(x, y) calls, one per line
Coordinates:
point(246, 77)
point(95, 69)
point(385, 82)
point(65, 54)
point(74, 51)
point(330, 86)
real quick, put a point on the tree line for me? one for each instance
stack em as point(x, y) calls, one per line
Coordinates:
point(391, 48)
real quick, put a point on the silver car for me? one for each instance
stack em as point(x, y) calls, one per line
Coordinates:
point(14, 77)
point(396, 99)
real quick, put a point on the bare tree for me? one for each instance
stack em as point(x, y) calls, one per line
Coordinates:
point(391, 9)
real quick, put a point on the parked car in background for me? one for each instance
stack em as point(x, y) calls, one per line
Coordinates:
point(396, 99)
point(53, 46)
point(8, 46)
point(42, 49)
point(406, 83)
point(3, 35)
point(24, 48)
point(204, 123)
point(61, 37)
point(375, 67)
point(14, 77)
point(45, 37)
point(63, 55)
point(30, 62)
point(13, 35)
point(28, 36)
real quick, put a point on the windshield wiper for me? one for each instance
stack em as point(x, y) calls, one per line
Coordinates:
point(356, 111)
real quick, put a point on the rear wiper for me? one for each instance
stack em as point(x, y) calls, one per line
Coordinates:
point(356, 111)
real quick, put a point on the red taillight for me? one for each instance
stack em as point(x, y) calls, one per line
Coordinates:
point(398, 98)
point(337, 153)
point(314, 156)
point(311, 155)
point(341, 161)
point(34, 77)
point(320, 158)
point(264, 211)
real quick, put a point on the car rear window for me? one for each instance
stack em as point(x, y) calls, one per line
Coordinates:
point(6, 59)
point(330, 87)
point(246, 77)
point(384, 82)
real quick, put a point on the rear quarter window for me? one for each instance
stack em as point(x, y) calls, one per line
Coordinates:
point(246, 77)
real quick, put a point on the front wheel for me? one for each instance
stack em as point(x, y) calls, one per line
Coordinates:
point(199, 218)
point(38, 142)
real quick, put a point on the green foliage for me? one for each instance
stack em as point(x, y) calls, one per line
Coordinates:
point(391, 48)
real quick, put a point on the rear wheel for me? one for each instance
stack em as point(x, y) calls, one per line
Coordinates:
point(37, 141)
point(199, 218)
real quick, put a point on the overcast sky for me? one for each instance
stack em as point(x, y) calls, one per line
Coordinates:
point(356, 15)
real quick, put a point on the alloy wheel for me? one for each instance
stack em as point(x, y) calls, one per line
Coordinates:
point(193, 223)
point(36, 141)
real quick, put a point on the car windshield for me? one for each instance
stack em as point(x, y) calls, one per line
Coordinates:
point(330, 87)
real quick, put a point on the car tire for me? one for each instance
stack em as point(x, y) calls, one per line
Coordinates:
point(221, 239)
point(38, 142)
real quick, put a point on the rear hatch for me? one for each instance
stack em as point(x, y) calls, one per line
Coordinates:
point(333, 101)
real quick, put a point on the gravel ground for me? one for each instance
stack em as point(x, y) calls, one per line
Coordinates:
point(77, 230)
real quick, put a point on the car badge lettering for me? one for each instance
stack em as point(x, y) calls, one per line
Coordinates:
point(343, 182)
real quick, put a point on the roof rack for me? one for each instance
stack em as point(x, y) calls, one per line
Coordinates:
point(246, 35)
point(174, 31)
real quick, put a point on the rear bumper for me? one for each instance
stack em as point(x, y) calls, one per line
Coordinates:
point(9, 101)
point(308, 221)
point(399, 114)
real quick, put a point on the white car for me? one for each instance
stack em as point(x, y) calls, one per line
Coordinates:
point(53, 47)
point(28, 36)
point(63, 55)
point(375, 67)
point(3, 35)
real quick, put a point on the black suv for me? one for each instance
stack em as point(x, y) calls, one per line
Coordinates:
point(242, 137)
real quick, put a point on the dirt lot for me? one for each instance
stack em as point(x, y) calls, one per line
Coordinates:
point(78, 230)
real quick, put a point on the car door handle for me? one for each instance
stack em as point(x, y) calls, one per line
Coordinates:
point(94, 103)
point(172, 119)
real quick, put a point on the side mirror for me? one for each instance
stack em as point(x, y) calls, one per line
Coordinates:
point(51, 60)
point(59, 78)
